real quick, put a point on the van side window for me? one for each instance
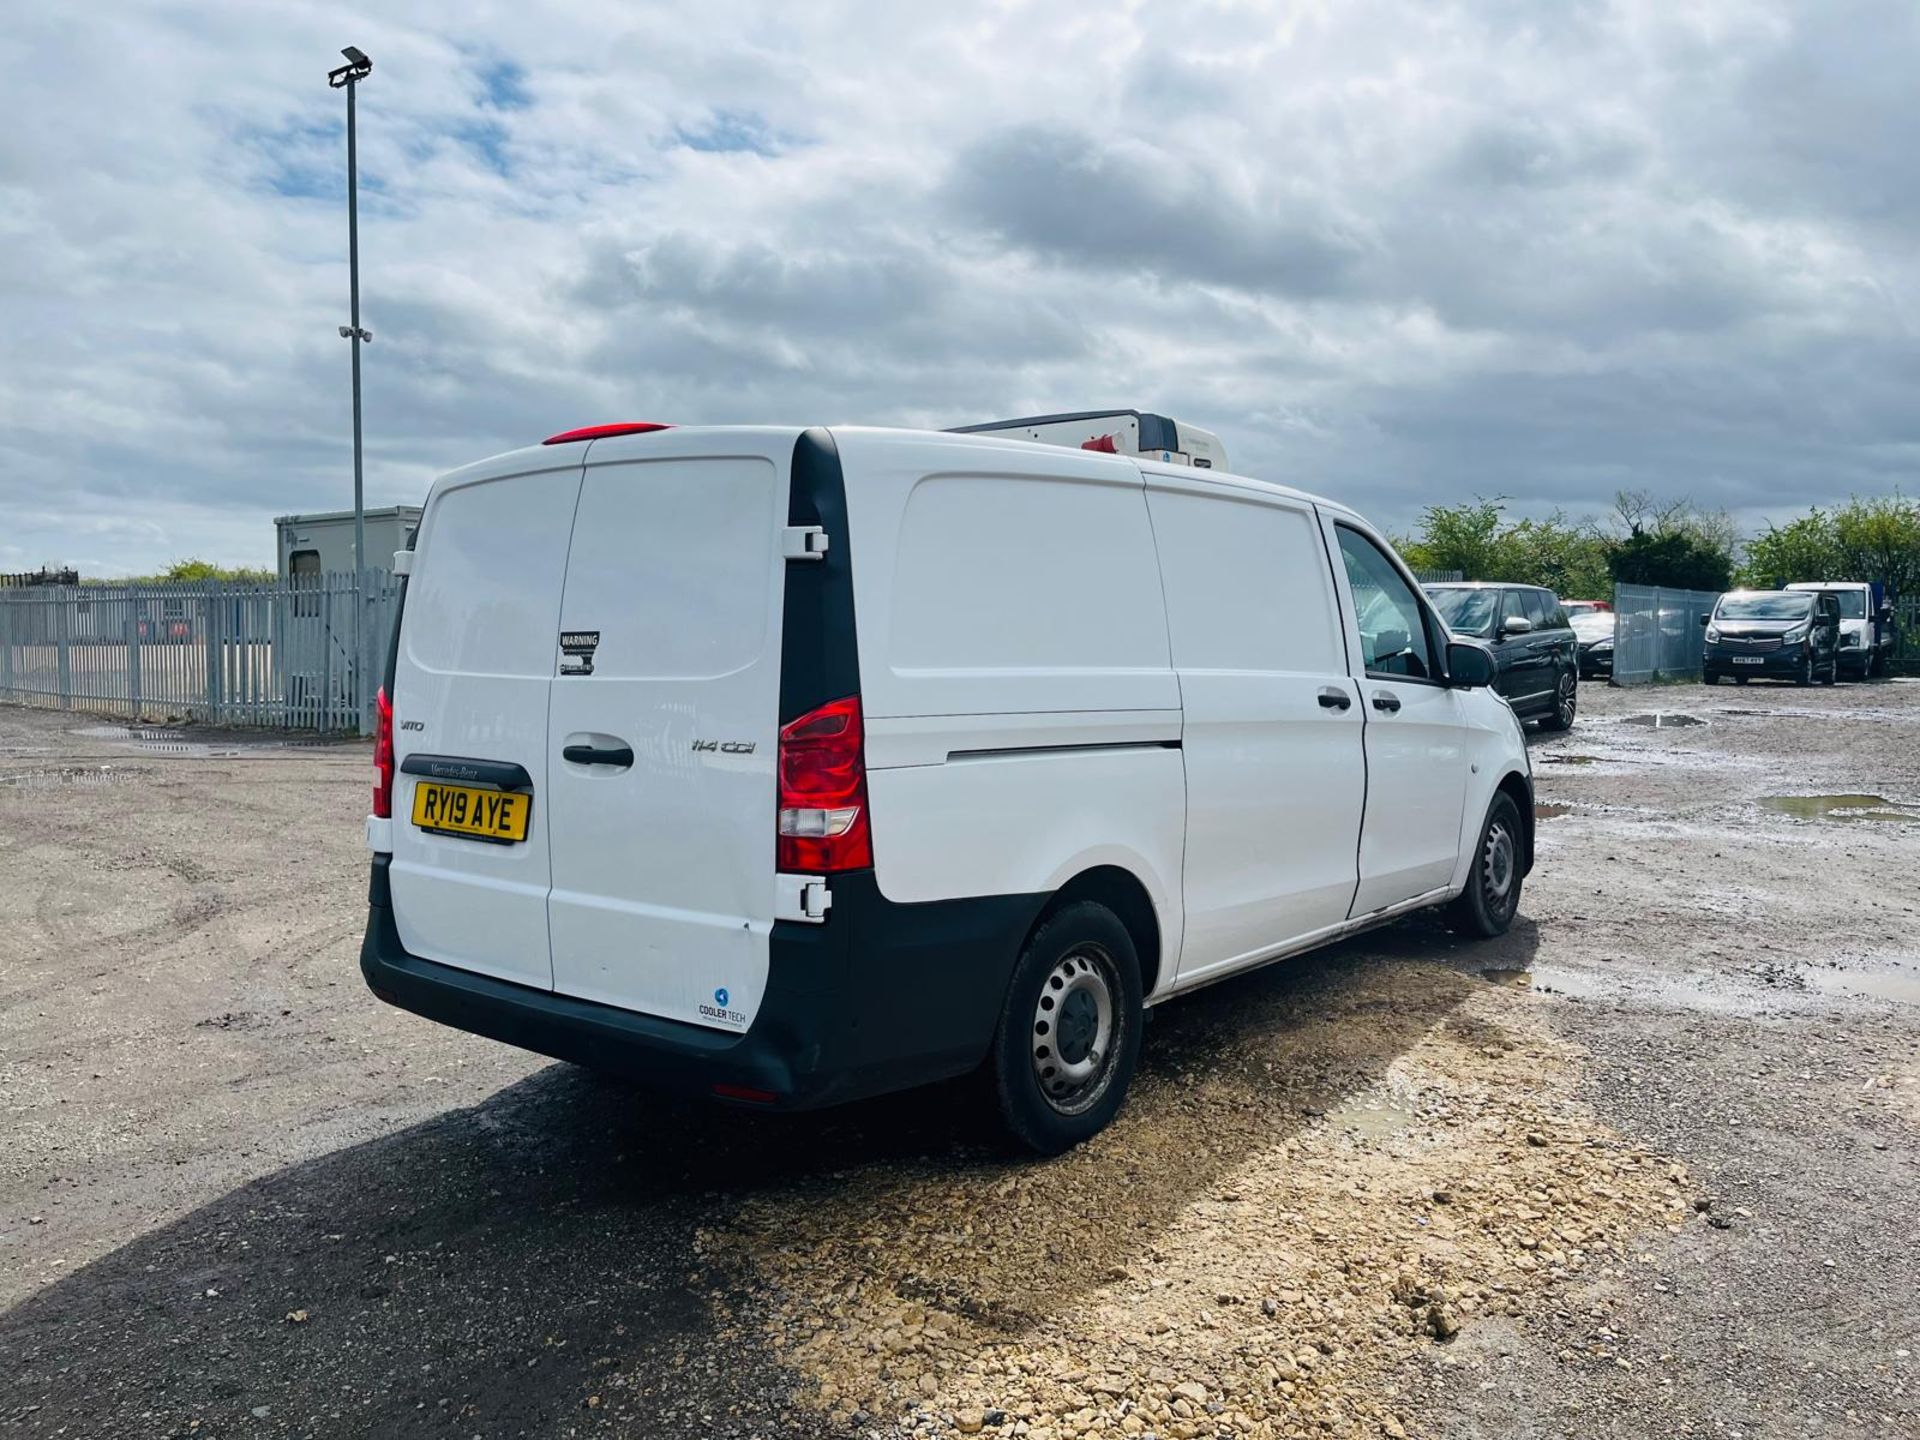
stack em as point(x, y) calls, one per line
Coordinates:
point(1393, 628)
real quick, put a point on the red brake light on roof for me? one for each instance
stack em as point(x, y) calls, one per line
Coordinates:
point(823, 823)
point(1103, 443)
point(600, 432)
point(382, 755)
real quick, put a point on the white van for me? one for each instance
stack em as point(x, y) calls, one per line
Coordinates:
point(1866, 626)
point(789, 766)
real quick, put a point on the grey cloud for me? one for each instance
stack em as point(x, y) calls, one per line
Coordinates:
point(1127, 205)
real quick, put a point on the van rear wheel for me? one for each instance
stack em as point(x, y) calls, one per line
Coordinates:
point(1492, 897)
point(1069, 1034)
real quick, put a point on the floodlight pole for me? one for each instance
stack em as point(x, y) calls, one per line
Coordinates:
point(348, 78)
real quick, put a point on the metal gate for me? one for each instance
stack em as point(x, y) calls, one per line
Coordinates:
point(1657, 633)
point(279, 653)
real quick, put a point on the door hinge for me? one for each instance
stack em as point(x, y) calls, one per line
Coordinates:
point(802, 897)
point(803, 542)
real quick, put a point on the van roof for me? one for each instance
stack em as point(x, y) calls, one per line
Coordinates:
point(540, 457)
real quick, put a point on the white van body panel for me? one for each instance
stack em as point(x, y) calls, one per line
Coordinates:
point(663, 871)
point(1276, 776)
point(472, 678)
point(1025, 823)
point(993, 578)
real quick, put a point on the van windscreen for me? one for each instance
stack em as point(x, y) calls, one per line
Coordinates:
point(1765, 607)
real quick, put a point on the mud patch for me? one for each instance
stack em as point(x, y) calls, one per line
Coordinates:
point(1550, 810)
point(1571, 759)
point(1842, 808)
point(1663, 720)
point(1312, 1182)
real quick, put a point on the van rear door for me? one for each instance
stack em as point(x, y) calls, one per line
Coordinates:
point(475, 664)
point(665, 725)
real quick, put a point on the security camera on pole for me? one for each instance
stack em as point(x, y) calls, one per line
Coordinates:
point(348, 78)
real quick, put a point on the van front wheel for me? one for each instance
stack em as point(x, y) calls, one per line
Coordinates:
point(1069, 1034)
point(1492, 897)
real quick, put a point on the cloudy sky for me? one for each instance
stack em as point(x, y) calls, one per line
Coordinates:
point(1397, 253)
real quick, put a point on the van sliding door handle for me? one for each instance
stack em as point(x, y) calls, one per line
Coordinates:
point(1386, 702)
point(620, 756)
point(1334, 698)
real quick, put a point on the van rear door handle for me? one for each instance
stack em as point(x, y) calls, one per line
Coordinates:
point(1334, 698)
point(620, 756)
point(1386, 702)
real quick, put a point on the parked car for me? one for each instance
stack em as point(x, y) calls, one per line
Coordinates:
point(1533, 644)
point(1593, 637)
point(1576, 608)
point(1866, 625)
point(1773, 634)
point(790, 766)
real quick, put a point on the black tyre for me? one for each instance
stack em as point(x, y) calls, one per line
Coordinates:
point(1833, 673)
point(1877, 666)
point(1069, 1034)
point(1710, 678)
point(1492, 897)
point(1566, 700)
point(1804, 677)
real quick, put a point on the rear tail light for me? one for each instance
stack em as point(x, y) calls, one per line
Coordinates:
point(823, 791)
point(382, 756)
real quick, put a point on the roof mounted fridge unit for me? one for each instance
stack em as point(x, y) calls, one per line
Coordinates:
point(1116, 432)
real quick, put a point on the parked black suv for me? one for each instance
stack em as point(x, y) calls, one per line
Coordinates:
point(1531, 640)
point(1774, 634)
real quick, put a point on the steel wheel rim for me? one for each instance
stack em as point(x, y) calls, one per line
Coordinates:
point(1075, 1031)
point(1498, 866)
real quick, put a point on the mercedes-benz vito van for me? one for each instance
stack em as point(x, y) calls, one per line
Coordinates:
point(788, 766)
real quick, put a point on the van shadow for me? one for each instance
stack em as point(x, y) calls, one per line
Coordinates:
point(570, 1257)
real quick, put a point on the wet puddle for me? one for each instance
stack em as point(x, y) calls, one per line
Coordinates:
point(1663, 720)
point(1369, 1122)
point(203, 744)
point(1571, 759)
point(65, 775)
point(1523, 979)
point(1841, 808)
point(1897, 985)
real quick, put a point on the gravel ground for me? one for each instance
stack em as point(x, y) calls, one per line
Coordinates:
point(1644, 1166)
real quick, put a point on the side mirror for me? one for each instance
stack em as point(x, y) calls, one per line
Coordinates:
point(1705, 620)
point(1470, 665)
point(1516, 625)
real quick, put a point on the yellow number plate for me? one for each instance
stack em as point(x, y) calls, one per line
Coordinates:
point(495, 815)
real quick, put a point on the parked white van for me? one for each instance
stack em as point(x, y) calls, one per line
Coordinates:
point(1866, 626)
point(789, 766)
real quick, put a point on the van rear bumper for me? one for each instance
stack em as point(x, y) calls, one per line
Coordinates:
point(882, 997)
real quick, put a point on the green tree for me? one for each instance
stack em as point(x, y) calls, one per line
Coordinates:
point(1803, 549)
point(1878, 540)
point(1457, 537)
point(1677, 559)
point(194, 570)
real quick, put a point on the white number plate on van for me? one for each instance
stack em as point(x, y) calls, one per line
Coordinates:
point(1749, 659)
